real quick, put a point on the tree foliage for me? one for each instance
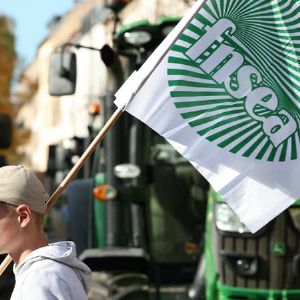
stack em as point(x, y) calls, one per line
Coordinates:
point(7, 58)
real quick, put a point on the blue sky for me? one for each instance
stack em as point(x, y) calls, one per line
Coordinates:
point(31, 18)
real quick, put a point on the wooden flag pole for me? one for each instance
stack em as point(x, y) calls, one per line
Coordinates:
point(89, 150)
point(5, 263)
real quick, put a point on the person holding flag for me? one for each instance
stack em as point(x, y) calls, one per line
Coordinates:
point(42, 270)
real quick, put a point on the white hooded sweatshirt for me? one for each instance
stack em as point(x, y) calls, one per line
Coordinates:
point(52, 273)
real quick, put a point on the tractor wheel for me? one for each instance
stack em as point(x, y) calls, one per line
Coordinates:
point(119, 286)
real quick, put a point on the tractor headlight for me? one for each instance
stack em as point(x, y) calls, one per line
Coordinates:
point(137, 38)
point(143, 34)
point(227, 220)
point(127, 171)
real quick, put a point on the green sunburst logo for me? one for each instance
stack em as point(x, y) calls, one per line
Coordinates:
point(234, 77)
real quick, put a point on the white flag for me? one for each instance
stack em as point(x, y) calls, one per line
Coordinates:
point(223, 89)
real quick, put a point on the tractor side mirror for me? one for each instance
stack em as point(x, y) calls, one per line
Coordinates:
point(6, 131)
point(62, 74)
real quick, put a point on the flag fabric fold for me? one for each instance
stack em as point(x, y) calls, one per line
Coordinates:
point(223, 89)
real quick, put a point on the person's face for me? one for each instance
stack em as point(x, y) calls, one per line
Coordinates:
point(8, 228)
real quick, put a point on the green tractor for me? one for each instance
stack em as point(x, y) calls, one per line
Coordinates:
point(239, 265)
point(138, 211)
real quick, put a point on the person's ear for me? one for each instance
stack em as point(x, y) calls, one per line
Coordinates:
point(24, 215)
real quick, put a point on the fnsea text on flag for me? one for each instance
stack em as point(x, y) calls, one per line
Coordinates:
point(223, 89)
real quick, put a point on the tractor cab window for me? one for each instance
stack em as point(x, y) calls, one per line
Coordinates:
point(177, 207)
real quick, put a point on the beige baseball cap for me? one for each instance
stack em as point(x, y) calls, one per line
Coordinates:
point(21, 186)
